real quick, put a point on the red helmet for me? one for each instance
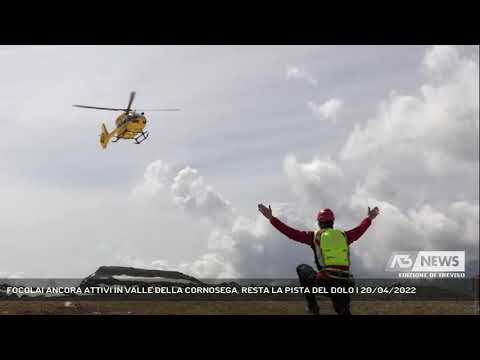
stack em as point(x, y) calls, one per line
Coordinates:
point(325, 215)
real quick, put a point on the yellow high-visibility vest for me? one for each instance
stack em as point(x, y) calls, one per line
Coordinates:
point(332, 246)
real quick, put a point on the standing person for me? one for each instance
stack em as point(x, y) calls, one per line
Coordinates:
point(332, 255)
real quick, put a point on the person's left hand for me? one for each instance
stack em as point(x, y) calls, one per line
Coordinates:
point(373, 213)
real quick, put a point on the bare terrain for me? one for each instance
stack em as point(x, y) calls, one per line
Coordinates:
point(33, 307)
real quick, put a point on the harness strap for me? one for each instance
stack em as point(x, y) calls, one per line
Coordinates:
point(337, 273)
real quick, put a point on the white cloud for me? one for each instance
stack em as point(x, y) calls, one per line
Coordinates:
point(429, 221)
point(328, 110)
point(438, 128)
point(318, 181)
point(210, 266)
point(187, 189)
point(466, 215)
point(412, 229)
point(192, 194)
point(442, 59)
point(157, 176)
point(220, 240)
point(237, 246)
point(395, 161)
point(294, 72)
point(391, 162)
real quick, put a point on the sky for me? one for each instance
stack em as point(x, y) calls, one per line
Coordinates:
point(297, 127)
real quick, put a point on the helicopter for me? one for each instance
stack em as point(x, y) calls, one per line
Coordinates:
point(130, 125)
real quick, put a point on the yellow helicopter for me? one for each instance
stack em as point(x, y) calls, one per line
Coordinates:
point(129, 125)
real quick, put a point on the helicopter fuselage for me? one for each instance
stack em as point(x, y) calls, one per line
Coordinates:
point(130, 125)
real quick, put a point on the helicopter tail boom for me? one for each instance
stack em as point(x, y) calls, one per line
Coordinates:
point(104, 136)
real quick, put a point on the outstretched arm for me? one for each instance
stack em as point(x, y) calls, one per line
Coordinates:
point(355, 233)
point(304, 237)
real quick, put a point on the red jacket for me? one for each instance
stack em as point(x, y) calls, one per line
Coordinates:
point(306, 237)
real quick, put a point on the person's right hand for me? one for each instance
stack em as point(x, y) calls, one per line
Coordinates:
point(267, 212)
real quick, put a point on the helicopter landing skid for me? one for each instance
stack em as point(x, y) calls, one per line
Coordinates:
point(141, 138)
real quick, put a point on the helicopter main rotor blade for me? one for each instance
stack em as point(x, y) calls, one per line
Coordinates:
point(130, 101)
point(157, 110)
point(98, 108)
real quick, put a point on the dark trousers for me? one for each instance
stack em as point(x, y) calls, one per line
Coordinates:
point(308, 278)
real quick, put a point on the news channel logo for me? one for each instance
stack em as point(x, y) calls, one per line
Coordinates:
point(428, 264)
